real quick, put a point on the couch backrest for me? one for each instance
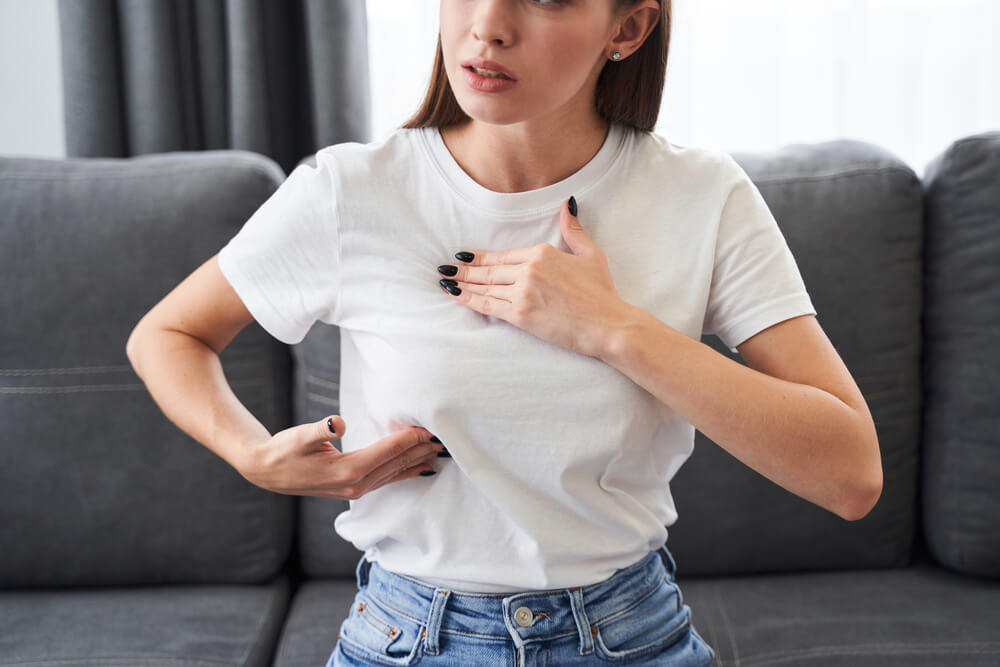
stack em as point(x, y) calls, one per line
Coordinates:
point(851, 213)
point(961, 455)
point(97, 486)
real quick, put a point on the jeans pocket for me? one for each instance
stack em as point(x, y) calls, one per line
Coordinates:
point(375, 634)
point(650, 625)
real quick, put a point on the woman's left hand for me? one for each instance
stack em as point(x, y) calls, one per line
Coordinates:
point(566, 299)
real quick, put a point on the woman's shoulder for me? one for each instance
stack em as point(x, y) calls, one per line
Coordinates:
point(698, 163)
point(393, 151)
point(396, 140)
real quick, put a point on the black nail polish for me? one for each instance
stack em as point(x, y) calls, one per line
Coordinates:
point(572, 205)
point(444, 454)
point(434, 438)
point(447, 281)
point(447, 269)
point(427, 473)
point(450, 286)
point(464, 256)
point(329, 425)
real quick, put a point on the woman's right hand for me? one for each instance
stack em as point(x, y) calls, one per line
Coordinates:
point(301, 461)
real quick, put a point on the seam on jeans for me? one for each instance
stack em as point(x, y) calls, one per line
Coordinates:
point(653, 648)
point(390, 610)
point(353, 651)
point(635, 602)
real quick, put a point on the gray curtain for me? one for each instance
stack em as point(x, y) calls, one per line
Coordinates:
point(283, 78)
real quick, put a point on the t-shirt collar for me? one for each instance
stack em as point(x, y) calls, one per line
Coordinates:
point(530, 201)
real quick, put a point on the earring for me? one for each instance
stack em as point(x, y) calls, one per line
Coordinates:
point(617, 55)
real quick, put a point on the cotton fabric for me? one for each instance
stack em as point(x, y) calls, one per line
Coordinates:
point(561, 465)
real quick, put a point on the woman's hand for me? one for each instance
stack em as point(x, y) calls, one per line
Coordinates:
point(301, 461)
point(566, 299)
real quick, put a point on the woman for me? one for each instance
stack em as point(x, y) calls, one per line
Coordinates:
point(557, 355)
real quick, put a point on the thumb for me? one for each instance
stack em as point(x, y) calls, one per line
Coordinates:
point(572, 231)
point(331, 428)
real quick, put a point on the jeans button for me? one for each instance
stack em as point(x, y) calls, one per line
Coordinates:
point(523, 616)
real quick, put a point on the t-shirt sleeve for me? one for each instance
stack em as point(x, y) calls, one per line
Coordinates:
point(284, 263)
point(755, 281)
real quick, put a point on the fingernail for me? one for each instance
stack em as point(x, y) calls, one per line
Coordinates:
point(447, 269)
point(464, 256)
point(444, 454)
point(427, 473)
point(447, 284)
point(329, 425)
point(572, 205)
point(434, 438)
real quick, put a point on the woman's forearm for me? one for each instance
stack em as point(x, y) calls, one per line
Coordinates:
point(800, 437)
point(185, 378)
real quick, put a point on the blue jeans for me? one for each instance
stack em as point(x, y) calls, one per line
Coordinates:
point(637, 616)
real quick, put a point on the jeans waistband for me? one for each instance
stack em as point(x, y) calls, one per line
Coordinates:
point(517, 614)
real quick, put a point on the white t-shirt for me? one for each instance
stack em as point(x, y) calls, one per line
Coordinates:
point(561, 464)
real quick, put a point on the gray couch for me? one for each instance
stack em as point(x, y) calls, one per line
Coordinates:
point(125, 542)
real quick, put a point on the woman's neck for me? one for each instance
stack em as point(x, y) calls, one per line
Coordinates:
point(523, 156)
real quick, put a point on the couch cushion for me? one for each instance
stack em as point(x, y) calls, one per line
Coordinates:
point(155, 626)
point(97, 486)
point(961, 442)
point(851, 213)
point(919, 616)
point(314, 617)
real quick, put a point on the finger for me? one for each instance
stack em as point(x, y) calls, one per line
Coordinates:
point(389, 448)
point(330, 428)
point(507, 256)
point(409, 473)
point(394, 467)
point(486, 303)
point(506, 293)
point(492, 274)
point(327, 429)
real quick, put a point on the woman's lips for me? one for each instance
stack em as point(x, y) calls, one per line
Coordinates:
point(486, 84)
point(482, 63)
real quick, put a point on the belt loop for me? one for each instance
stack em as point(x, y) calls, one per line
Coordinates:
point(438, 603)
point(668, 561)
point(361, 572)
point(582, 622)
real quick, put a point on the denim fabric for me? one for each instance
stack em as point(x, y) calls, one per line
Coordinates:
point(637, 616)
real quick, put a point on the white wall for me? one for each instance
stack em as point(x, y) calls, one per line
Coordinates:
point(909, 75)
point(31, 111)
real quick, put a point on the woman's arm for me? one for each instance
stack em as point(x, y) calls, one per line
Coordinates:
point(175, 350)
point(803, 424)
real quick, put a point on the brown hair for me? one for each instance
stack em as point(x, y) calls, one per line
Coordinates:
point(628, 92)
